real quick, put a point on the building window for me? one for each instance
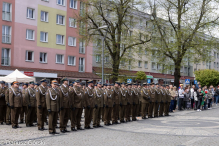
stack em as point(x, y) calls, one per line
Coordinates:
point(141, 22)
point(82, 6)
point(61, 2)
point(59, 59)
point(72, 23)
point(30, 34)
point(82, 47)
point(60, 20)
point(30, 13)
point(81, 64)
point(6, 11)
point(72, 41)
point(139, 63)
point(106, 59)
point(129, 66)
point(45, 0)
point(29, 56)
point(43, 57)
point(6, 34)
point(145, 64)
point(5, 57)
point(214, 64)
point(43, 36)
point(73, 4)
point(60, 39)
point(217, 55)
point(153, 65)
point(44, 16)
point(145, 52)
point(82, 28)
point(217, 65)
point(71, 60)
point(98, 58)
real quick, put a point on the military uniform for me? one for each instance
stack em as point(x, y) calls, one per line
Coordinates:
point(145, 94)
point(98, 105)
point(53, 106)
point(30, 99)
point(108, 101)
point(77, 106)
point(2, 104)
point(123, 105)
point(139, 103)
point(117, 101)
point(167, 104)
point(157, 101)
point(16, 101)
point(129, 103)
point(163, 99)
point(41, 106)
point(135, 103)
point(8, 110)
point(151, 102)
point(66, 103)
point(89, 104)
point(23, 114)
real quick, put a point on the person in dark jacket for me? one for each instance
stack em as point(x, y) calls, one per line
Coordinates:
point(186, 98)
point(200, 96)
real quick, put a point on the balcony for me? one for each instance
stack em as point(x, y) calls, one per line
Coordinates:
point(81, 68)
point(6, 16)
point(5, 61)
point(6, 38)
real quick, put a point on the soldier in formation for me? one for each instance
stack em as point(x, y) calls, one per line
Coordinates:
point(113, 103)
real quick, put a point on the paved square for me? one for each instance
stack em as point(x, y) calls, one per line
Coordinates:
point(181, 128)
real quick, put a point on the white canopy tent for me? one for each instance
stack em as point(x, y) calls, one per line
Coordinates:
point(17, 76)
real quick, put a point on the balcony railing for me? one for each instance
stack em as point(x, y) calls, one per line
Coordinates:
point(6, 16)
point(5, 61)
point(81, 68)
point(6, 38)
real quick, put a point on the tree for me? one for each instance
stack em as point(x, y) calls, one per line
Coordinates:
point(180, 33)
point(207, 77)
point(121, 39)
point(140, 75)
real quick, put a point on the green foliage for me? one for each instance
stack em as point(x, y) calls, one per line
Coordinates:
point(207, 77)
point(140, 75)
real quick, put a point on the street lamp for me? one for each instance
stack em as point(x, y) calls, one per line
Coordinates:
point(103, 38)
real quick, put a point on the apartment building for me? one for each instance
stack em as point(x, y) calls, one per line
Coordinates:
point(42, 39)
point(147, 62)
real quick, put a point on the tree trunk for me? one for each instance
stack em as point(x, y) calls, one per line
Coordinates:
point(115, 72)
point(177, 75)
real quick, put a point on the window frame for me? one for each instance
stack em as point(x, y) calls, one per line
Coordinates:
point(57, 20)
point(28, 13)
point(63, 61)
point(44, 57)
point(63, 3)
point(140, 66)
point(3, 56)
point(98, 58)
point(5, 35)
point(74, 41)
point(74, 61)
point(63, 39)
point(75, 22)
point(83, 46)
point(45, 33)
point(71, 1)
point(27, 35)
point(83, 64)
point(26, 56)
point(5, 12)
point(45, 16)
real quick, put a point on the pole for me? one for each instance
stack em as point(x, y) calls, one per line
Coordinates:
point(102, 60)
